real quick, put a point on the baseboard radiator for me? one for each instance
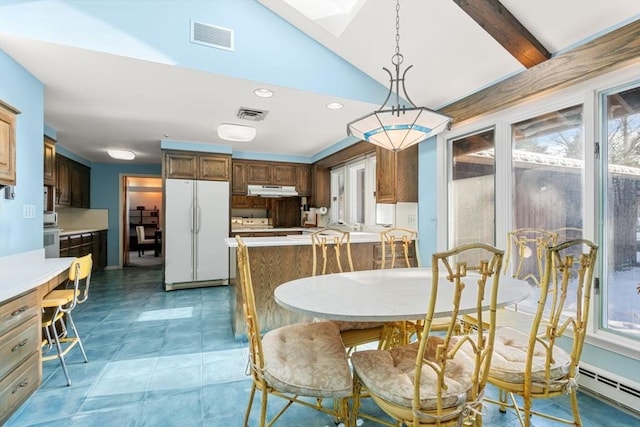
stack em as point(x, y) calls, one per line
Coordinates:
point(618, 390)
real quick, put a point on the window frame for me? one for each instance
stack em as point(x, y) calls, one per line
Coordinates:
point(587, 94)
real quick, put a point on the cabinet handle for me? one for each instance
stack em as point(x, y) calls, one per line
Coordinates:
point(20, 344)
point(23, 384)
point(20, 310)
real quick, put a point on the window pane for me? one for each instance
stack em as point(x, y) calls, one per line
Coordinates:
point(472, 189)
point(547, 167)
point(622, 233)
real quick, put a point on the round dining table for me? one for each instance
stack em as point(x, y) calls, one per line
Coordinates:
point(386, 295)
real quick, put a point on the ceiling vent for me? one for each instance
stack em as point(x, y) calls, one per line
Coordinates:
point(212, 36)
point(251, 114)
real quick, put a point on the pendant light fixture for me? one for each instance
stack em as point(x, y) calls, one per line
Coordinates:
point(398, 127)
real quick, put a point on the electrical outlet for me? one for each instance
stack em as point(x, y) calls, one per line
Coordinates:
point(28, 211)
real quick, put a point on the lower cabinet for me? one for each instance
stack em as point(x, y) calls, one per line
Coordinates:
point(81, 244)
point(20, 370)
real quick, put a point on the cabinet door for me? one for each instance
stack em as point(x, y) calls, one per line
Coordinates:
point(303, 180)
point(213, 168)
point(239, 177)
point(7, 145)
point(239, 201)
point(180, 165)
point(385, 176)
point(284, 174)
point(259, 173)
point(63, 181)
point(76, 182)
point(49, 161)
point(85, 187)
point(321, 184)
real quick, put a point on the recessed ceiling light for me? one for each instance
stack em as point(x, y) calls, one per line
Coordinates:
point(263, 93)
point(236, 133)
point(122, 154)
point(334, 106)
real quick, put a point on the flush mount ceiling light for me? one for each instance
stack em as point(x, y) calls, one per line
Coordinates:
point(122, 154)
point(398, 127)
point(334, 106)
point(263, 93)
point(236, 133)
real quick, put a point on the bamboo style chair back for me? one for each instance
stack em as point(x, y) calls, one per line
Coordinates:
point(545, 370)
point(439, 380)
point(327, 241)
point(522, 244)
point(303, 359)
point(391, 238)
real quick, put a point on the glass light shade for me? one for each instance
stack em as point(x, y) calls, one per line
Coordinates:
point(236, 133)
point(396, 132)
point(122, 154)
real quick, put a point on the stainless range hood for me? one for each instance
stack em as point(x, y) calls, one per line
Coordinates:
point(271, 191)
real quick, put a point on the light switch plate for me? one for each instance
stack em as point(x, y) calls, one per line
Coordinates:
point(28, 211)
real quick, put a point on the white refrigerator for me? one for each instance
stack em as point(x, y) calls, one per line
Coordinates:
point(196, 224)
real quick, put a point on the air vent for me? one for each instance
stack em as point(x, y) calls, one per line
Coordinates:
point(212, 36)
point(251, 114)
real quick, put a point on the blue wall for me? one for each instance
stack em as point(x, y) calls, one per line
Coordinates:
point(24, 92)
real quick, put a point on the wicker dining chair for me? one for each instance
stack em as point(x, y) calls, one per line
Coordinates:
point(440, 379)
point(526, 249)
point(532, 364)
point(332, 248)
point(293, 361)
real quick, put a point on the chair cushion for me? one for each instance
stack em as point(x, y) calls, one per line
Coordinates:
point(510, 356)
point(390, 375)
point(307, 359)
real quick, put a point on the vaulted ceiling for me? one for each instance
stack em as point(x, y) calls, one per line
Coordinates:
point(129, 77)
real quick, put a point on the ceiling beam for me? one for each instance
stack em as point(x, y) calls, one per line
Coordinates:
point(506, 30)
point(607, 53)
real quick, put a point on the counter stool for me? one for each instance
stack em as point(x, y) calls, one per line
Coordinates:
point(57, 306)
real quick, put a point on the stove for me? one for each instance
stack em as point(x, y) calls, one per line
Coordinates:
point(249, 223)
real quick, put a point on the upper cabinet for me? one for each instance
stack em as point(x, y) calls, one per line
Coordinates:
point(49, 161)
point(258, 172)
point(7, 144)
point(201, 166)
point(73, 183)
point(397, 175)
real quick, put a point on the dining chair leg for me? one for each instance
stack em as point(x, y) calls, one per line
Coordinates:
point(56, 339)
point(75, 333)
point(252, 394)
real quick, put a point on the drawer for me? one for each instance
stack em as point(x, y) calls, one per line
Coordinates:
point(18, 310)
point(18, 386)
point(18, 344)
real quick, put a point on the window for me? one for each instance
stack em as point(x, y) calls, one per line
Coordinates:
point(352, 192)
point(620, 248)
point(555, 163)
point(472, 194)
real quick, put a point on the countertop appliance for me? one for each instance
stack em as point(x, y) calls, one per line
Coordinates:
point(196, 224)
point(242, 223)
point(50, 219)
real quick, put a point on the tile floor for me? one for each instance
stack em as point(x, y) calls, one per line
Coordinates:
point(161, 358)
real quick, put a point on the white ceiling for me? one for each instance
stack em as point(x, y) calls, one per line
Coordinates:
point(97, 100)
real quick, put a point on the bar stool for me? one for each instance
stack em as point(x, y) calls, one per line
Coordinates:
point(57, 306)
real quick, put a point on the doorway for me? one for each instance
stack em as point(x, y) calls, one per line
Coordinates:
point(142, 221)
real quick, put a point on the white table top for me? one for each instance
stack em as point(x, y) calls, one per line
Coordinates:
point(383, 295)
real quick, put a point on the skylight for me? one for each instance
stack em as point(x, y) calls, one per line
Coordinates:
point(332, 15)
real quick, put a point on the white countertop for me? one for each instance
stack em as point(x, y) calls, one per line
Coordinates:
point(25, 271)
point(297, 240)
point(267, 230)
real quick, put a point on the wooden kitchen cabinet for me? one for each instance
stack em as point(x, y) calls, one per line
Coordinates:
point(201, 166)
point(73, 183)
point(20, 370)
point(303, 180)
point(258, 172)
point(49, 161)
point(92, 242)
point(7, 144)
point(240, 201)
point(284, 174)
point(397, 175)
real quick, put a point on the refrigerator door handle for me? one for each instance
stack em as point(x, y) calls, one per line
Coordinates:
point(198, 215)
point(191, 216)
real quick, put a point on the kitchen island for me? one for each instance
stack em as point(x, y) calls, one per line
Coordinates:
point(278, 259)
